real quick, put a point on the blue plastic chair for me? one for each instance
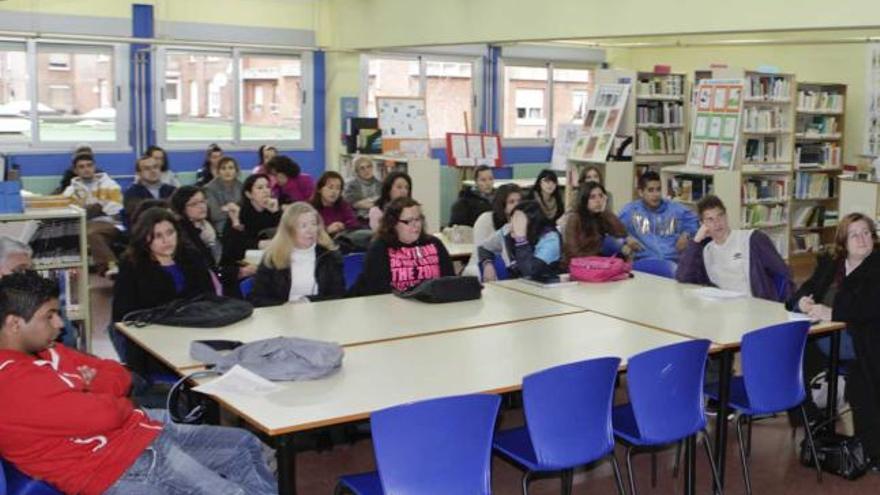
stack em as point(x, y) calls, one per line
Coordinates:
point(14, 482)
point(433, 447)
point(772, 381)
point(662, 268)
point(501, 272)
point(352, 266)
point(246, 286)
point(568, 421)
point(666, 401)
point(611, 245)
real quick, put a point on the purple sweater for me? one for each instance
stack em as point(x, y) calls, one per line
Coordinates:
point(766, 267)
point(340, 212)
point(299, 188)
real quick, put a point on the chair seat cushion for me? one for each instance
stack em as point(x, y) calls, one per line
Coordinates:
point(363, 484)
point(516, 444)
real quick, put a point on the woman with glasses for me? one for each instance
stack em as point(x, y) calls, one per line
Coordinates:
point(402, 255)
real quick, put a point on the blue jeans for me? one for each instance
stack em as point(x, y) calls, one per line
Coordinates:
point(199, 459)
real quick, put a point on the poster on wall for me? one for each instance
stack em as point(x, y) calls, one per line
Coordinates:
point(472, 149)
point(715, 133)
point(402, 117)
point(566, 137)
point(872, 127)
point(604, 114)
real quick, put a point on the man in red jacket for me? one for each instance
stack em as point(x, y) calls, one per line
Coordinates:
point(65, 418)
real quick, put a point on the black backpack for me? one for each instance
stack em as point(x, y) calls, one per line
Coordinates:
point(202, 311)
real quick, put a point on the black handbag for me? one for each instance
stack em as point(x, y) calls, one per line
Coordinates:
point(202, 311)
point(839, 455)
point(445, 290)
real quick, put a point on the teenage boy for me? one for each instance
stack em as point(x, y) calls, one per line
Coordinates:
point(473, 201)
point(660, 227)
point(65, 418)
point(744, 261)
point(101, 196)
point(148, 186)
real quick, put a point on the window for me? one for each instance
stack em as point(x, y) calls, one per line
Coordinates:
point(234, 98)
point(571, 89)
point(15, 106)
point(447, 85)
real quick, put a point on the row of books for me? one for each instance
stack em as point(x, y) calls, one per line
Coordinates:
point(813, 186)
point(814, 216)
point(56, 241)
point(817, 155)
point(671, 85)
point(807, 242)
point(757, 119)
point(762, 189)
point(68, 284)
point(764, 149)
point(822, 125)
point(764, 215)
point(768, 87)
point(654, 112)
point(660, 141)
point(689, 188)
point(823, 101)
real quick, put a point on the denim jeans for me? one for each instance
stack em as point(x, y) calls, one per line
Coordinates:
point(199, 459)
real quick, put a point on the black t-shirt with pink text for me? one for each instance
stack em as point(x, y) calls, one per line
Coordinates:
point(399, 266)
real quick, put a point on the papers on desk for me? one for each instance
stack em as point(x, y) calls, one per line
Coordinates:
point(795, 316)
point(238, 381)
point(715, 293)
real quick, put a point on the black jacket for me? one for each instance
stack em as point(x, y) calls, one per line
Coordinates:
point(257, 225)
point(227, 273)
point(827, 268)
point(144, 287)
point(139, 192)
point(424, 259)
point(272, 285)
point(468, 207)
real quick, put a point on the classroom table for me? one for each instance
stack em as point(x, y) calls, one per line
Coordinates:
point(490, 359)
point(352, 321)
point(665, 304)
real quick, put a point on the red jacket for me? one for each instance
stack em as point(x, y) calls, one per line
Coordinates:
point(53, 427)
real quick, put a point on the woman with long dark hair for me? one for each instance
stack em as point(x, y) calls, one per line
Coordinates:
point(532, 241)
point(506, 198)
point(589, 223)
point(253, 222)
point(337, 214)
point(396, 185)
point(547, 194)
point(210, 165)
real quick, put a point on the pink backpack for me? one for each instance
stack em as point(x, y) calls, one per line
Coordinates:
point(599, 269)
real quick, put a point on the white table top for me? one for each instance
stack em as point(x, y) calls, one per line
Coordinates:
point(353, 321)
point(457, 250)
point(489, 359)
point(666, 304)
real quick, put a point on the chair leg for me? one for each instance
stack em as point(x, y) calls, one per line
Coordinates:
point(811, 444)
point(525, 482)
point(677, 460)
point(653, 470)
point(749, 438)
point(629, 469)
point(567, 480)
point(715, 478)
point(742, 455)
point(617, 478)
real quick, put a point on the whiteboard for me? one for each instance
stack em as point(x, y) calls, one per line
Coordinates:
point(402, 118)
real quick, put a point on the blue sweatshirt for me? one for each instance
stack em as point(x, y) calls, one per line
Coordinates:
point(657, 230)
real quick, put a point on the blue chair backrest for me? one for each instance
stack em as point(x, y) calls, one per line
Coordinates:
point(438, 446)
point(500, 267)
point(772, 365)
point(352, 266)
point(568, 412)
point(666, 390)
point(662, 268)
point(246, 286)
point(611, 245)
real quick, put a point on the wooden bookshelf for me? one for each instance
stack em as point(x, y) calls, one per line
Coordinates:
point(818, 138)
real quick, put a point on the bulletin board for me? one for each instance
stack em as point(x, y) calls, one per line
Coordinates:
point(606, 111)
point(402, 117)
point(472, 149)
point(717, 121)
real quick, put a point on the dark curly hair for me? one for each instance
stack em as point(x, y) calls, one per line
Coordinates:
point(391, 217)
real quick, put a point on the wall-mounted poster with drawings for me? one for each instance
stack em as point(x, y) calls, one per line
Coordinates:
point(715, 135)
point(402, 117)
point(606, 110)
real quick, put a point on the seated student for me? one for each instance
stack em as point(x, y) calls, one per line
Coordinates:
point(589, 224)
point(101, 196)
point(253, 222)
point(66, 418)
point(266, 153)
point(402, 255)
point(223, 192)
point(335, 211)
point(506, 198)
point(209, 166)
point(396, 185)
point(301, 264)
point(744, 261)
point(591, 173)
point(291, 185)
point(190, 204)
point(159, 154)
point(547, 194)
point(363, 191)
point(473, 201)
point(531, 240)
point(149, 185)
point(660, 227)
point(845, 287)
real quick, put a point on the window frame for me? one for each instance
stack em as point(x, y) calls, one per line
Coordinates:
point(306, 141)
point(120, 95)
point(477, 82)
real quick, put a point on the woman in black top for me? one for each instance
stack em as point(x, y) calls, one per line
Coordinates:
point(402, 255)
point(846, 287)
point(548, 195)
point(253, 222)
point(209, 167)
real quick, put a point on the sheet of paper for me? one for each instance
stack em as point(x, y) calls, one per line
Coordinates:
point(715, 293)
point(475, 146)
point(490, 146)
point(238, 381)
point(459, 146)
point(795, 316)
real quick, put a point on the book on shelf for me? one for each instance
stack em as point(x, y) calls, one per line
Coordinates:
point(807, 242)
point(758, 119)
point(819, 101)
point(816, 155)
point(764, 149)
point(689, 188)
point(56, 241)
point(814, 186)
point(660, 141)
point(817, 125)
point(768, 87)
point(660, 112)
point(764, 189)
point(763, 215)
point(661, 85)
